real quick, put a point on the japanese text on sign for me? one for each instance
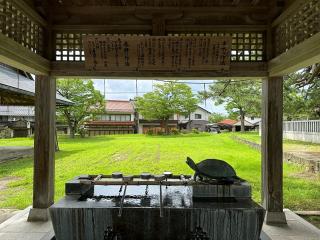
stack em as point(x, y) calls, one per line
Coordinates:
point(138, 53)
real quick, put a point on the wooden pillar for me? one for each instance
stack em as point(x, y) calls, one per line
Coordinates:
point(272, 149)
point(44, 148)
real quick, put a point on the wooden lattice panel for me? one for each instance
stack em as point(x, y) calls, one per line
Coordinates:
point(299, 26)
point(17, 25)
point(69, 46)
point(246, 47)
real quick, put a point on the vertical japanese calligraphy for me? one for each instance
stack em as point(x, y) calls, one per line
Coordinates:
point(164, 53)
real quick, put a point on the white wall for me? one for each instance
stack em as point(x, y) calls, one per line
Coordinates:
point(204, 115)
point(305, 130)
point(302, 136)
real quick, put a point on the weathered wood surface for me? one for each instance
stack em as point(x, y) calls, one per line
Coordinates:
point(15, 55)
point(89, 220)
point(272, 148)
point(44, 142)
point(237, 70)
point(162, 53)
point(302, 55)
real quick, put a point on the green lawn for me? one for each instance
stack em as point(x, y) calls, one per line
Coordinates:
point(137, 153)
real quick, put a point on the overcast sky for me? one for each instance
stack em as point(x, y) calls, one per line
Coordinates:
point(124, 89)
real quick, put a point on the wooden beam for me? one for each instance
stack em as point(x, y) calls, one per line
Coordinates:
point(272, 149)
point(215, 28)
point(237, 70)
point(44, 148)
point(158, 25)
point(301, 55)
point(106, 10)
point(144, 28)
point(15, 55)
point(103, 29)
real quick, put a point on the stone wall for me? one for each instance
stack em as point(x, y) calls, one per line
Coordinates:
point(312, 165)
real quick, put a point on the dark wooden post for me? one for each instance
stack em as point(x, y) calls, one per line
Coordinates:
point(272, 149)
point(44, 148)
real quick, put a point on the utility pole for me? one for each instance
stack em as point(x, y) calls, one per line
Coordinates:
point(136, 87)
point(104, 88)
point(205, 99)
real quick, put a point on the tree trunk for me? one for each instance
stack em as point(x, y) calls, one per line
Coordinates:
point(166, 128)
point(57, 143)
point(71, 127)
point(242, 120)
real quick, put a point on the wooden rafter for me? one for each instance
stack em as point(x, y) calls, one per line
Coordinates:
point(15, 55)
point(301, 55)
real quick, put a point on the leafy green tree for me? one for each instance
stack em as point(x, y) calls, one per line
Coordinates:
point(241, 97)
point(166, 100)
point(216, 117)
point(301, 93)
point(87, 102)
point(294, 102)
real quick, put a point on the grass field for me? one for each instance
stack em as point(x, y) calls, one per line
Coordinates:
point(137, 153)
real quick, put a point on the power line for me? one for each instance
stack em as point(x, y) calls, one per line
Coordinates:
point(209, 83)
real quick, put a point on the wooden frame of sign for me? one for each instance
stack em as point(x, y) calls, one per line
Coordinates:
point(164, 53)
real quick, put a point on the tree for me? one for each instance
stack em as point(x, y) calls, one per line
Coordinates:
point(87, 102)
point(294, 103)
point(216, 117)
point(301, 93)
point(242, 97)
point(166, 100)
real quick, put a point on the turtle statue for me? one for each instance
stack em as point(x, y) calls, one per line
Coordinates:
point(210, 169)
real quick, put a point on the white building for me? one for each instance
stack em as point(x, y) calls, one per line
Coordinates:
point(197, 120)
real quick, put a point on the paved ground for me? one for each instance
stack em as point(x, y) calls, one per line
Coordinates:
point(14, 152)
point(17, 228)
point(7, 213)
point(296, 229)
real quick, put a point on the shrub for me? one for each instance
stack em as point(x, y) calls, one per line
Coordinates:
point(196, 131)
point(149, 132)
point(175, 131)
point(82, 132)
point(184, 131)
point(160, 133)
point(5, 132)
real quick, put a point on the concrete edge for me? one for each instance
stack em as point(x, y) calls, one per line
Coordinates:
point(303, 221)
point(15, 217)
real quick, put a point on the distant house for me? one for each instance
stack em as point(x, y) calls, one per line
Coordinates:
point(255, 121)
point(121, 117)
point(250, 123)
point(155, 125)
point(17, 93)
point(118, 118)
point(227, 124)
point(20, 119)
point(197, 120)
point(247, 126)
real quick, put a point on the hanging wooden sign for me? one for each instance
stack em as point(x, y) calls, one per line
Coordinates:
point(173, 54)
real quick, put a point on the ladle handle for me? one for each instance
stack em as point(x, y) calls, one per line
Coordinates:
point(122, 200)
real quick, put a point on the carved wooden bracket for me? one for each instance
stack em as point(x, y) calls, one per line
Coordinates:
point(158, 19)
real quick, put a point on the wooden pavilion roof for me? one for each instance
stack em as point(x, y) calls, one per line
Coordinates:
point(263, 33)
point(141, 12)
point(19, 90)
